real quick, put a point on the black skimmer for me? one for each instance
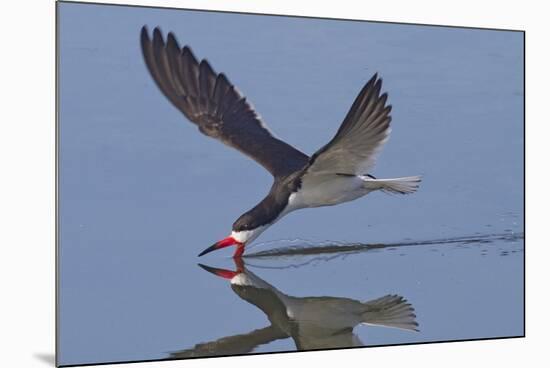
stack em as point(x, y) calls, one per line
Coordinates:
point(336, 173)
point(312, 322)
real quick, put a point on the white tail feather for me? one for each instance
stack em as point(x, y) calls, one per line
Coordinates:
point(404, 185)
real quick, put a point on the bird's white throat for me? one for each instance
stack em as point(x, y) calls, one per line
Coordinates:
point(246, 236)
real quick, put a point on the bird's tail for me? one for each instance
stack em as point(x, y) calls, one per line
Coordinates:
point(404, 185)
point(390, 311)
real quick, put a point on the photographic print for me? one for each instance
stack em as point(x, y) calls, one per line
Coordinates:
point(234, 183)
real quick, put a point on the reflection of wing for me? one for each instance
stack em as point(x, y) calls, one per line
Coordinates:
point(309, 340)
point(362, 134)
point(209, 100)
point(237, 344)
point(324, 322)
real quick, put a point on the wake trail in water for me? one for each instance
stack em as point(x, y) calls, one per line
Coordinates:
point(341, 248)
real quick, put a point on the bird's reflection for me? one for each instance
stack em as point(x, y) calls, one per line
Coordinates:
point(311, 322)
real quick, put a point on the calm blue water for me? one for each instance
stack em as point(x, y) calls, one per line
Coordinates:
point(142, 192)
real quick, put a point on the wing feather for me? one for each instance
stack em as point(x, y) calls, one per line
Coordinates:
point(211, 102)
point(362, 134)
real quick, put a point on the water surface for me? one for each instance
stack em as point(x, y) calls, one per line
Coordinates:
point(142, 192)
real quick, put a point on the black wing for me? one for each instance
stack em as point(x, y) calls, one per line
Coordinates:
point(209, 100)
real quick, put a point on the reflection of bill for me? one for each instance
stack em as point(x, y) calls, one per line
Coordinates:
point(312, 322)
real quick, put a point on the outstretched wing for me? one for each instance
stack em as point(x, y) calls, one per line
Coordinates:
point(209, 100)
point(360, 137)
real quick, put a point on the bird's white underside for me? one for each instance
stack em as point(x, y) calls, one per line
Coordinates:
point(316, 191)
point(326, 190)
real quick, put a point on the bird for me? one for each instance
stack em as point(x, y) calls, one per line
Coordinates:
point(312, 322)
point(336, 173)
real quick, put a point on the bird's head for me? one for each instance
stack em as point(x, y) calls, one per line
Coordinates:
point(243, 232)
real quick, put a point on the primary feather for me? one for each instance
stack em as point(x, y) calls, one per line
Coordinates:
point(214, 104)
point(362, 134)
